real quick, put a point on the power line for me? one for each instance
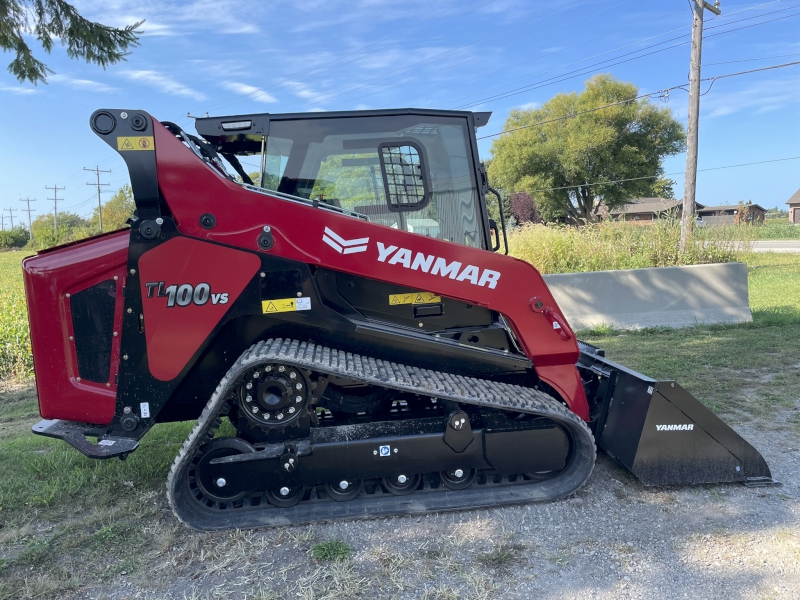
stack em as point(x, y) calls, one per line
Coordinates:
point(343, 90)
point(55, 189)
point(638, 24)
point(570, 187)
point(29, 211)
point(97, 170)
point(728, 62)
point(660, 92)
point(255, 95)
point(429, 60)
point(585, 70)
point(537, 58)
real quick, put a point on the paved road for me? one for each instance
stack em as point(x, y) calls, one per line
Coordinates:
point(790, 246)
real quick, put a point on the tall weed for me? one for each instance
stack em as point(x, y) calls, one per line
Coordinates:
point(623, 245)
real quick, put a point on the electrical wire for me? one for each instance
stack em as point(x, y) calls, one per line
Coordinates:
point(651, 94)
point(569, 187)
point(601, 63)
point(458, 49)
point(728, 62)
point(537, 58)
point(347, 89)
point(584, 70)
point(254, 95)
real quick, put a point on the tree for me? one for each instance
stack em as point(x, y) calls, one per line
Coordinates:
point(570, 150)
point(49, 20)
point(116, 211)
point(71, 227)
point(13, 238)
point(523, 208)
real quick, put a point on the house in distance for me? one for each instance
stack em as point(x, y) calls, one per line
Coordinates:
point(794, 208)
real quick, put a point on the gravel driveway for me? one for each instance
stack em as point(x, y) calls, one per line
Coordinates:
point(613, 539)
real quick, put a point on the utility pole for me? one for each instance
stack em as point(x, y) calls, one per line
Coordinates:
point(29, 211)
point(97, 170)
point(55, 189)
point(690, 183)
point(3, 220)
point(11, 212)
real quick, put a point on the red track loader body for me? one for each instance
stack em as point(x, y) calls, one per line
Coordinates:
point(349, 314)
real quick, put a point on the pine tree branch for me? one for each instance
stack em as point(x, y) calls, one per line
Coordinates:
point(55, 19)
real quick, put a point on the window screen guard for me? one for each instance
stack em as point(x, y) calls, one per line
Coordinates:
point(405, 177)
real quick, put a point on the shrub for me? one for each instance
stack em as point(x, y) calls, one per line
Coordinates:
point(13, 238)
point(622, 245)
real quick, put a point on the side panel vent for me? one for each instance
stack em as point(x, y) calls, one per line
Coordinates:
point(93, 326)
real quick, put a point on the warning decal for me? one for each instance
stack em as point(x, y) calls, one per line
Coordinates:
point(135, 143)
point(285, 305)
point(414, 298)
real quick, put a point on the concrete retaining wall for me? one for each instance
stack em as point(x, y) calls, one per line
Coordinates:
point(666, 296)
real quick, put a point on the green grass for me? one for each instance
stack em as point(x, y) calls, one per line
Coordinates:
point(332, 550)
point(750, 370)
point(68, 522)
point(16, 361)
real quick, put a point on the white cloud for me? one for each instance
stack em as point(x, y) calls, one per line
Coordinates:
point(255, 94)
point(84, 84)
point(18, 90)
point(163, 83)
point(171, 18)
point(528, 106)
point(759, 97)
point(301, 90)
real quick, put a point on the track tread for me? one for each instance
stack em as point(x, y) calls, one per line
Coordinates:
point(458, 388)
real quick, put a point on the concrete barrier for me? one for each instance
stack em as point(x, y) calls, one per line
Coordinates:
point(665, 296)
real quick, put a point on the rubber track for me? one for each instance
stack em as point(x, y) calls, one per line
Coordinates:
point(466, 390)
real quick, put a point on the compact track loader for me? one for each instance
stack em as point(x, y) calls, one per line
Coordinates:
point(350, 316)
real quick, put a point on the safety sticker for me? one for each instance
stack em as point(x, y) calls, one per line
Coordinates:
point(144, 410)
point(414, 298)
point(106, 442)
point(385, 451)
point(285, 305)
point(135, 143)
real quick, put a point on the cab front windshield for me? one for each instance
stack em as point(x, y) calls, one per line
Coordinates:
point(339, 161)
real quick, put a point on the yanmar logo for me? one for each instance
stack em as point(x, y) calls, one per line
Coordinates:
point(428, 263)
point(343, 246)
point(685, 427)
point(416, 261)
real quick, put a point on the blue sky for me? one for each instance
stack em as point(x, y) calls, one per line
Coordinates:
point(233, 57)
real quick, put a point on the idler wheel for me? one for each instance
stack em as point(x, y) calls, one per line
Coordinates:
point(401, 485)
point(344, 490)
point(457, 479)
point(285, 496)
point(213, 487)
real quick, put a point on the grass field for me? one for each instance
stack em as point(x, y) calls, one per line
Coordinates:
point(15, 344)
point(68, 523)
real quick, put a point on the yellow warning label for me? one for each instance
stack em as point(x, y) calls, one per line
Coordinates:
point(276, 306)
point(285, 305)
point(414, 298)
point(135, 143)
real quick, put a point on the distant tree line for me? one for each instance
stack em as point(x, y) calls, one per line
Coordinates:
point(70, 226)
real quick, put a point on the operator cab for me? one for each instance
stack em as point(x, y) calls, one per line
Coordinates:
point(411, 169)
